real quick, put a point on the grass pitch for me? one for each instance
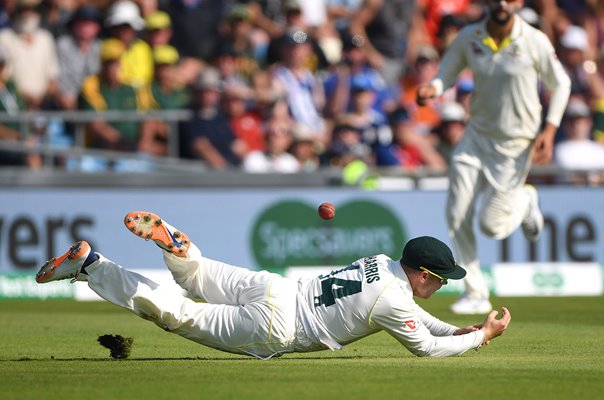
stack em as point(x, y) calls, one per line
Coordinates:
point(554, 349)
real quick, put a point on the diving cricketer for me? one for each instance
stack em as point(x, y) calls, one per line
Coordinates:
point(262, 314)
point(508, 59)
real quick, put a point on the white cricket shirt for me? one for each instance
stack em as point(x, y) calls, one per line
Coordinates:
point(370, 295)
point(505, 103)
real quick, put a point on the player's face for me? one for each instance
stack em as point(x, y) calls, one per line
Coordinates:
point(428, 284)
point(502, 11)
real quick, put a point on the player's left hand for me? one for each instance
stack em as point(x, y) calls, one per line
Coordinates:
point(544, 145)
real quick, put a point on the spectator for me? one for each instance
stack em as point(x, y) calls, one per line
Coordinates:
point(436, 12)
point(341, 11)
point(246, 124)
point(235, 68)
point(78, 54)
point(124, 22)
point(7, 9)
point(158, 29)
point(450, 25)
point(578, 151)
point(385, 24)
point(295, 21)
point(105, 91)
point(408, 149)
point(270, 102)
point(238, 40)
point(11, 103)
point(354, 66)
point(449, 132)
point(593, 25)
point(267, 16)
point(583, 74)
point(304, 92)
point(56, 15)
point(158, 32)
point(195, 25)
point(165, 93)
point(322, 27)
point(424, 119)
point(275, 157)
point(31, 55)
point(374, 128)
point(347, 145)
point(305, 150)
point(208, 136)
point(147, 7)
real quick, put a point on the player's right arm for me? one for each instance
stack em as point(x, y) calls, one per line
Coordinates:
point(397, 314)
point(453, 62)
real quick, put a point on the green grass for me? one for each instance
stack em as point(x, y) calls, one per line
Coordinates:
point(554, 349)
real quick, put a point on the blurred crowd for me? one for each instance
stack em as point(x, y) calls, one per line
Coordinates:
point(274, 85)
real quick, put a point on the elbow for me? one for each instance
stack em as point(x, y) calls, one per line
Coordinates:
point(429, 350)
point(421, 351)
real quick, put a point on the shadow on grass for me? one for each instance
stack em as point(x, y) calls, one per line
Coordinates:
point(108, 359)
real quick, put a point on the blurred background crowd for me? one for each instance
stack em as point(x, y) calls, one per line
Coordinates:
point(272, 85)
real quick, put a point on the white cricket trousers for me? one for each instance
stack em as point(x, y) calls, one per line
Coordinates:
point(495, 171)
point(246, 312)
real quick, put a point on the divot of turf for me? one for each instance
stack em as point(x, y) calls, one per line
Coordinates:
point(118, 345)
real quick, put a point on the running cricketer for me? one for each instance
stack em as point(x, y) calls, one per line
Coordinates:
point(508, 59)
point(264, 315)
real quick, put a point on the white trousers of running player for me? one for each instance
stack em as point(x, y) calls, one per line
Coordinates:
point(492, 171)
point(246, 312)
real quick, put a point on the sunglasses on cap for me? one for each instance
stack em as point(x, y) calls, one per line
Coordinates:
point(443, 281)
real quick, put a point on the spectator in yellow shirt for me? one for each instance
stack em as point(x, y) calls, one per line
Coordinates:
point(124, 21)
point(103, 92)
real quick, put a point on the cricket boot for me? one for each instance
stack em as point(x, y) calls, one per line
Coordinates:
point(150, 226)
point(70, 265)
point(532, 224)
point(467, 305)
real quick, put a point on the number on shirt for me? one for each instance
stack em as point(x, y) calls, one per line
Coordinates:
point(333, 288)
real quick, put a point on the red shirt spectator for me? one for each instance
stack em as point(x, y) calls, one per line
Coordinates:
point(246, 125)
point(435, 10)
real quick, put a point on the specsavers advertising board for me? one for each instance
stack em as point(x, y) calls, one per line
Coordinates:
point(276, 228)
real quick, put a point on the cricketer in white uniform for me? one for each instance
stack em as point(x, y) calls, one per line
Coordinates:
point(263, 314)
point(508, 59)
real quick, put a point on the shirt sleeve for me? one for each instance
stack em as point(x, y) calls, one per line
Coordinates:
point(401, 318)
point(452, 63)
point(435, 325)
point(554, 77)
point(52, 63)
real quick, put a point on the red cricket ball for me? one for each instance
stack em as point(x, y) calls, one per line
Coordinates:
point(327, 210)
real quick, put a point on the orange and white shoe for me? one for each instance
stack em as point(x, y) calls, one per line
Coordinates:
point(69, 265)
point(150, 226)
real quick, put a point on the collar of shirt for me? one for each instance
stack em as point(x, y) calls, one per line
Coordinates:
point(488, 41)
point(397, 270)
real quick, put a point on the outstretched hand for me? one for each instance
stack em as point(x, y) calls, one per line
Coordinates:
point(493, 327)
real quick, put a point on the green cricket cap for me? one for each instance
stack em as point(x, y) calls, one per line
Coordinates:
point(432, 254)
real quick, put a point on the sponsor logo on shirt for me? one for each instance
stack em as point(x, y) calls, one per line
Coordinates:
point(476, 49)
point(411, 324)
